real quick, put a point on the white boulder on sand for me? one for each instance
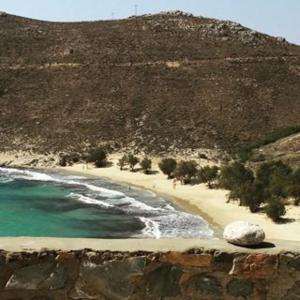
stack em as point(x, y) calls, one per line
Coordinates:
point(243, 233)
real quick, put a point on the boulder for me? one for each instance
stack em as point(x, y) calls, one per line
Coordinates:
point(243, 233)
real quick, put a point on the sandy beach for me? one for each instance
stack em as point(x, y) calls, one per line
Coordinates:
point(198, 199)
point(209, 203)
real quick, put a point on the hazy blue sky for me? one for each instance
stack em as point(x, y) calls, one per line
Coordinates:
point(275, 17)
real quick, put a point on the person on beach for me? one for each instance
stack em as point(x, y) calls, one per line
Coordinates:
point(174, 183)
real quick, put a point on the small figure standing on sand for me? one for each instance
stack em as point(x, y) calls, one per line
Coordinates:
point(129, 187)
point(174, 183)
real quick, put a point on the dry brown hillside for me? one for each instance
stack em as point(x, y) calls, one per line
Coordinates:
point(157, 82)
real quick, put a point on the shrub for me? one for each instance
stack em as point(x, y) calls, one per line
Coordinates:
point(235, 175)
point(208, 174)
point(275, 209)
point(275, 176)
point(132, 161)
point(97, 156)
point(185, 170)
point(250, 194)
point(63, 161)
point(294, 186)
point(146, 165)
point(168, 166)
point(122, 162)
point(267, 169)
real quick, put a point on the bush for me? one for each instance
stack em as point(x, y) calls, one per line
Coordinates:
point(294, 186)
point(275, 209)
point(168, 166)
point(250, 194)
point(122, 162)
point(63, 161)
point(146, 165)
point(98, 156)
point(275, 176)
point(186, 170)
point(235, 175)
point(208, 175)
point(132, 161)
point(246, 152)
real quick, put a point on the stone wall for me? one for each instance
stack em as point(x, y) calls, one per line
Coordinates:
point(201, 272)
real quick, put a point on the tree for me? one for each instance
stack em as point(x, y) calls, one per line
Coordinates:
point(146, 165)
point(250, 194)
point(274, 176)
point(234, 175)
point(275, 209)
point(98, 156)
point(294, 186)
point(168, 166)
point(132, 161)
point(185, 170)
point(208, 174)
point(122, 162)
point(267, 169)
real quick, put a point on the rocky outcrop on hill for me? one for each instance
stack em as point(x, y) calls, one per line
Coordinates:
point(164, 82)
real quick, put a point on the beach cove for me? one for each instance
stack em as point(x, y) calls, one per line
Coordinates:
point(211, 204)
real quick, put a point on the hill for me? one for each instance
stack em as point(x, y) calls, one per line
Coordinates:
point(163, 82)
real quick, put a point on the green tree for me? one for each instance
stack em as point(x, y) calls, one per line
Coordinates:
point(275, 209)
point(250, 194)
point(122, 162)
point(274, 176)
point(186, 170)
point(234, 175)
point(132, 161)
point(294, 186)
point(146, 165)
point(267, 169)
point(208, 175)
point(168, 166)
point(98, 156)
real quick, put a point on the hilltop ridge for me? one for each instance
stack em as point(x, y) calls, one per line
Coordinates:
point(163, 82)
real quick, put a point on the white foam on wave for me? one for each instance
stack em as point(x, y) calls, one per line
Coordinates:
point(26, 174)
point(5, 180)
point(163, 221)
point(121, 198)
point(151, 228)
point(89, 200)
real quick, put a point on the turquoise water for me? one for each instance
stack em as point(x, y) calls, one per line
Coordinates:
point(35, 203)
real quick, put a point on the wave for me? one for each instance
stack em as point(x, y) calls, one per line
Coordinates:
point(151, 228)
point(162, 221)
point(89, 200)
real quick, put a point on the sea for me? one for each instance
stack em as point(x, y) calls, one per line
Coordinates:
point(42, 203)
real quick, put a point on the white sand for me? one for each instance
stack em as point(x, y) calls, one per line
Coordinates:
point(211, 204)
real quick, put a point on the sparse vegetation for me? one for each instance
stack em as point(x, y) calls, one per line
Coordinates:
point(245, 153)
point(146, 165)
point(168, 166)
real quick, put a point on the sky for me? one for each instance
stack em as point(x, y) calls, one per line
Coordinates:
point(274, 17)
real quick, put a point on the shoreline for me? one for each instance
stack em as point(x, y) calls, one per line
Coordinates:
point(210, 204)
point(179, 203)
